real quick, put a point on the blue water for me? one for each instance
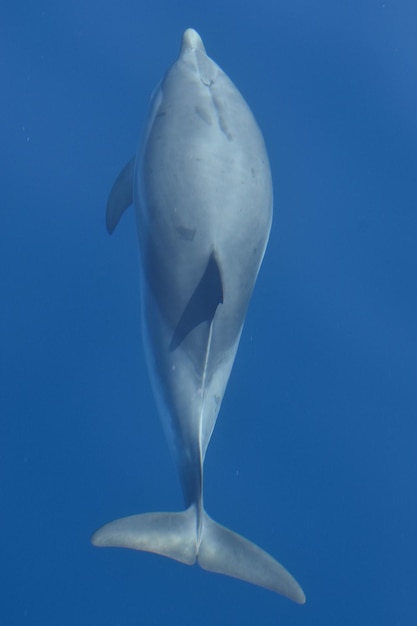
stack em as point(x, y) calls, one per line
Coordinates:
point(314, 456)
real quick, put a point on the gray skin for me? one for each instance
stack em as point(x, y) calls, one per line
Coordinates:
point(202, 191)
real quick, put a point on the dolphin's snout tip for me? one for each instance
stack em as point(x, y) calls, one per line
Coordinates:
point(191, 40)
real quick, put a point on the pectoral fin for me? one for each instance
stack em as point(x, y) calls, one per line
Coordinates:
point(121, 196)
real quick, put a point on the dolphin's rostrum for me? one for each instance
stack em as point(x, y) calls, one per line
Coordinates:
point(202, 190)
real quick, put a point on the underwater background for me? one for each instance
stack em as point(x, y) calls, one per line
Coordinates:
point(314, 456)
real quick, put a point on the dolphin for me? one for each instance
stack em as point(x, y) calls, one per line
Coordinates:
point(202, 190)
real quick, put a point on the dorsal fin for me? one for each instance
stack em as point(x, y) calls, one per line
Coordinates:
point(121, 196)
point(203, 303)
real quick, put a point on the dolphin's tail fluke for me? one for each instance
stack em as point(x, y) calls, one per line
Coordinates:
point(220, 550)
point(225, 552)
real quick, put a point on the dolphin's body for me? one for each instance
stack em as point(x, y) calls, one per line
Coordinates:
point(201, 186)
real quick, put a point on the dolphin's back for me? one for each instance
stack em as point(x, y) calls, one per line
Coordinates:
point(203, 196)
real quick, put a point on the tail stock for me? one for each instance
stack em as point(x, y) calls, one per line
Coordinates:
point(222, 551)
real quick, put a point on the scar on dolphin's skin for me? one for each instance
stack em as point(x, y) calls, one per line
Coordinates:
point(187, 234)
